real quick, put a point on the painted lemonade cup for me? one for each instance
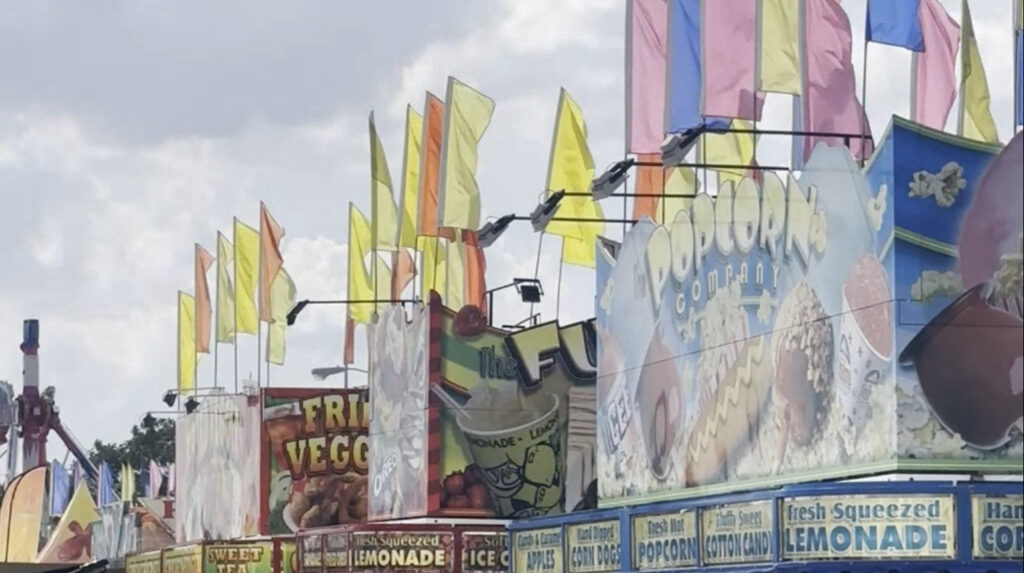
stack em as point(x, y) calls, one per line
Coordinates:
point(521, 465)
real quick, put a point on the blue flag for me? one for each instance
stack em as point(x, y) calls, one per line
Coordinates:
point(60, 488)
point(895, 22)
point(106, 486)
point(684, 66)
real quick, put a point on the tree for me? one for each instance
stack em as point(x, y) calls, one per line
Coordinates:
point(153, 441)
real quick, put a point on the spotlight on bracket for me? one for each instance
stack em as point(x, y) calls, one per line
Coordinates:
point(609, 181)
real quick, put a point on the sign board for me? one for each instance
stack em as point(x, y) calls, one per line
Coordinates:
point(737, 534)
point(593, 547)
point(239, 557)
point(315, 458)
point(420, 551)
point(998, 527)
point(183, 559)
point(868, 527)
point(538, 551)
point(485, 552)
point(149, 562)
point(665, 541)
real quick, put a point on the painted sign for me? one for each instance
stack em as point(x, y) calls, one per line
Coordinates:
point(399, 425)
point(311, 553)
point(737, 533)
point(538, 551)
point(315, 458)
point(239, 557)
point(217, 476)
point(149, 562)
point(665, 541)
point(998, 527)
point(959, 338)
point(754, 337)
point(868, 527)
point(485, 552)
point(336, 551)
point(403, 551)
point(185, 559)
point(593, 547)
point(525, 407)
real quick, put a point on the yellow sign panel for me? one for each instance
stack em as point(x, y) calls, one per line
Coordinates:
point(148, 562)
point(538, 551)
point(737, 533)
point(869, 527)
point(998, 523)
point(187, 559)
point(593, 547)
point(665, 541)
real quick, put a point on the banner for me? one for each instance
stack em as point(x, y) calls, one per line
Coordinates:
point(665, 541)
point(755, 339)
point(868, 527)
point(150, 562)
point(485, 552)
point(239, 557)
point(593, 547)
point(315, 458)
point(517, 428)
point(399, 355)
point(218, 475)
point(21, 516)
point(422, 552)
point(538, 551)
point(998, 527)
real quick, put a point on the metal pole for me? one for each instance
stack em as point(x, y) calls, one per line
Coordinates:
point(864, 89)
point(536, 265)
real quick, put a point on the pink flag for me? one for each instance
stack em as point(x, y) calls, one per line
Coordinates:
point(935, 84)
point(646, 43)
point(155, 479)
point(730, 64)
point(830, 103)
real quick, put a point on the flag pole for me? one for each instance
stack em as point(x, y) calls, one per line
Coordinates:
point(536, 265)
point(177, 335)
point(558, 286)
point(216, 318)
point(234, 280)
point(864, 86)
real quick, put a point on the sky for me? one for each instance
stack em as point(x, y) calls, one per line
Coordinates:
point(131, 130)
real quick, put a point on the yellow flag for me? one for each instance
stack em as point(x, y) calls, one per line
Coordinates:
point(730, 149)
point(455, 282)
point(225, 290)
point(282, 299)
point(434, 266)
point(411, 178)
point(359, 286)
point(975, 114)
point(680, 181)
point(383, 212)
point(466, 119)
point(778, 46)
point(72, 527)
point(186, 341)
point(382, 274)
point(127, 482)
point(247, 265)
point(571, 169)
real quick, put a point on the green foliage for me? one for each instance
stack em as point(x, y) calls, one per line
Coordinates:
point(155, 443)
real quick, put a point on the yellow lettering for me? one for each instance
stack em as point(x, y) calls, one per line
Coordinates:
point(311, 408)
point(334, 412)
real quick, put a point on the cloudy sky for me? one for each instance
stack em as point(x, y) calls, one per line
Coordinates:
point(131, 130)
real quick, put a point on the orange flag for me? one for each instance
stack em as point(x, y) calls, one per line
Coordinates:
point(403, 270)
point(430, 164)
point(476, 269)
point(204, 309)
point(270, 258)
point(350, 340)
point(650, 180)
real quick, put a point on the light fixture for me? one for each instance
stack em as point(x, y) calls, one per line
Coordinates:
point(323, 373)
point(490, 232)
point(542, 215)
point(170, 397)
point(191, 404)
point(675, 150)
point(605, 185)
point(294, 312)
point(148, 421)
point(529, 290)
